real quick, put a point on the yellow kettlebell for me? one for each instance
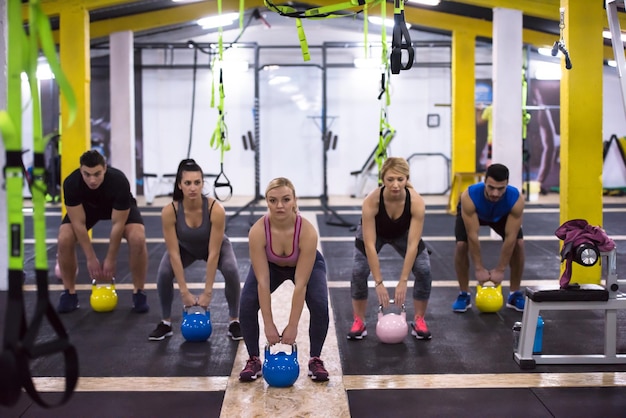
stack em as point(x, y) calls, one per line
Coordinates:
point(103, 297)
point(489, 297)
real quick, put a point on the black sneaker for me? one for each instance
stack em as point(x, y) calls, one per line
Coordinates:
point(68, 302)
point(252, 370)
point(234, 331)
point(160, 332)
point(140, 302)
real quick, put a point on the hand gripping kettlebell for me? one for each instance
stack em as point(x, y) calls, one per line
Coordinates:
point(391, 328)
point(196, 325)
point(489, 297)
point(103, 297)
point(280, 369)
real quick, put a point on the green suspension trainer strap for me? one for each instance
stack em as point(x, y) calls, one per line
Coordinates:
point(219, 139)
point(385, 131)
point(20, 337)
point(324, 12)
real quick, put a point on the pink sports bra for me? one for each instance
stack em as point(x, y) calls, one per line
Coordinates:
point(295, 252)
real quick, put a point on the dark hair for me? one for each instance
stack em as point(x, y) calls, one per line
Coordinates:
point(92, 158)
point(498, 172)
point(188, 164)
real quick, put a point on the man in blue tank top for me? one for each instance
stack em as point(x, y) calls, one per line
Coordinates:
point(496, 204)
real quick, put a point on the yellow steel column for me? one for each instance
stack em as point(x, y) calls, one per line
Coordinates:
point(75, 60)
point(581, 121)
point(463, 114)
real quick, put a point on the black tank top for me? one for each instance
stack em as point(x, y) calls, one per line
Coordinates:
point(388, 228)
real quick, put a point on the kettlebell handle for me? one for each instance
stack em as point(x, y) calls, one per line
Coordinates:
point(391, 301)
point(294, 348)
point(489, 283)
point(186, 309)
point(94, 283)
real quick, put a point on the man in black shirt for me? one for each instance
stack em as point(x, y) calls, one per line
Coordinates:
point(95, 192)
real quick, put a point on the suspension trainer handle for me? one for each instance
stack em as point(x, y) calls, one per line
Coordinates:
point(222, 181)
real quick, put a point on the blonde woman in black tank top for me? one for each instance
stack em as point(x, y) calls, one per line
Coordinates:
point(391, 214)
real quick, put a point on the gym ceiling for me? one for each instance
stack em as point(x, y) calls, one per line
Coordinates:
point(168, 21)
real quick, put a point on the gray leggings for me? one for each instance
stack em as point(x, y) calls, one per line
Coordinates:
point(227, 264)
point(361, 269)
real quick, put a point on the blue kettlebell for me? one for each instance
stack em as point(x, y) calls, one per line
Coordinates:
point(280, 369)
point(196, 325)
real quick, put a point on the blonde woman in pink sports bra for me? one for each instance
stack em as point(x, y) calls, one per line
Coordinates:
point(283, 246)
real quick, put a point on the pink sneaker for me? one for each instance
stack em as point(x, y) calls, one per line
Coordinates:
point(358, 330)
point(419, 329)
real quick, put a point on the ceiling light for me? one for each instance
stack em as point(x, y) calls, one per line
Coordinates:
point(545, 51)
point(606, 34)
point(548, 71)
point(425, 2)
point(376, 20)
point(367, 63)
point(217, 21)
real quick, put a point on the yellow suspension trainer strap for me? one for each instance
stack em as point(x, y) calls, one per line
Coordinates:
point(324, 12)
point(22, 344)
point(219, 139)
point(401, 40)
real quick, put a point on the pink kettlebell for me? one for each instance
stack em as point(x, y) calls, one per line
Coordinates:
point(391, 328)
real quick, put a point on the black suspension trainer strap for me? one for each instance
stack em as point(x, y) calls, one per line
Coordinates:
point(401, 40)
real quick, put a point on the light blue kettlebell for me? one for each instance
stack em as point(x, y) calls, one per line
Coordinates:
point(280, 369)
point(196, 325)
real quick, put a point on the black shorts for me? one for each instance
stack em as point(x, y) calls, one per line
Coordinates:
point(92, 217)
point(461, 233)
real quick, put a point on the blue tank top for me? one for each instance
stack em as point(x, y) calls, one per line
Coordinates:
point(195, 241)
point(492, 211)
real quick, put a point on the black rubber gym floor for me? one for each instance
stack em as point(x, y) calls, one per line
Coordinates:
point(115, 344)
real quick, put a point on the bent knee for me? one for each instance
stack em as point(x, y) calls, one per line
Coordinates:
point(66, 237)
point(135, 235)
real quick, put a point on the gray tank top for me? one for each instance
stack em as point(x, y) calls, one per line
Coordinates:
point(195, 241)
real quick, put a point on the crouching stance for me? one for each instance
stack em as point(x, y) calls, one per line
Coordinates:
point(283, 246)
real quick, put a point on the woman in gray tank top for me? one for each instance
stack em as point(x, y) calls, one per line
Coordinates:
point(193, 228)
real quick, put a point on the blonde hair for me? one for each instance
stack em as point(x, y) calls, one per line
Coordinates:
point(398, 164)
point(280, 182)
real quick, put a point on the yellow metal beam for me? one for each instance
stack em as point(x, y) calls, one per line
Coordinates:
point(482, 28)
point(581, 124)
point(463, 102)
point(54, 7)
point(169, 17)
point(545, 9)
point(75, 61)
